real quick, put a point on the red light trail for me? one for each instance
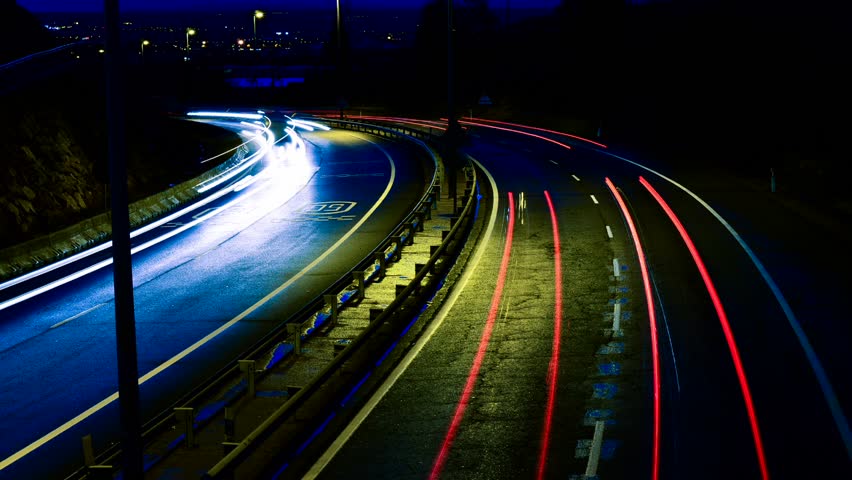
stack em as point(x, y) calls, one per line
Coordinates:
point(723, 320)
point(553, 370)
point(555, 132)
point(652, 318)
point(441, 460)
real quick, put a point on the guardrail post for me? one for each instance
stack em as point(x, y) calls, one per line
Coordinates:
point(380, 258)
point(230, 427)
point(444, 234)
point(331, 301)
point(419, 217)
point(247, 367)
point(433, 249)
point(358, 276)
point(426, 207)
point(88, 451)
point(186, 415)
point(397, 252)
point(296, 328)
point(399, 289)
point(375, 312)
point(409, 239)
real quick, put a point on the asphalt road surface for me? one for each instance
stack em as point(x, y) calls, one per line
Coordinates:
point(209, 285)
point(547, 352)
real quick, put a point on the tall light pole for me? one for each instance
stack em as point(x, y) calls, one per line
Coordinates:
point(125, 317)
point(454, 132)
point(189, 31)
point(257, 14)
point(339, 62)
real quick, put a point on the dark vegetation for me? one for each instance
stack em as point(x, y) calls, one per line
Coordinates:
point(53, 148)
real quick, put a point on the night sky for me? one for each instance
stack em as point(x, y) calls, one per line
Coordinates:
point(155, 5)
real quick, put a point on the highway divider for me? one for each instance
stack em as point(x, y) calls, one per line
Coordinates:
point(385, 327)
point(238, 379)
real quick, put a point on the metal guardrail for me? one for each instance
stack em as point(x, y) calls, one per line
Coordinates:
point(301, 326)
point(240, 451)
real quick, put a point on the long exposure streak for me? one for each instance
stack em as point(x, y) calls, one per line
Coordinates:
point(480, 353)
point(723, 319)
point(546, 139)
point(553, 370)
point(404, 120)
point(652, 319)
point(555, 132)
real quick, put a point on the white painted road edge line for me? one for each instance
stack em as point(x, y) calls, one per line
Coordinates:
point(75, 317)
point(436, 322)
point(594, 199)
point(575, 177)
point(616, 317)
point(616, 270)
point(608, 231)
point(822, 377)
point(103, 403)
point(595, 450)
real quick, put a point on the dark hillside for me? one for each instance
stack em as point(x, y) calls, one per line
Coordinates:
point(20, 33)
point(53, 141)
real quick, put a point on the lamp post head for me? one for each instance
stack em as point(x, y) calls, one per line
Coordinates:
point(258, 14)
point(190, 31)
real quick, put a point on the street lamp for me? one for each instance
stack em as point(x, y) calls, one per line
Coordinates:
point(257, 14)
point(189, 31)
point(144, 42)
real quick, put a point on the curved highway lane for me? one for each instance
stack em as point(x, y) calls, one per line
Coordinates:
point(238, 267)
point(544, 365)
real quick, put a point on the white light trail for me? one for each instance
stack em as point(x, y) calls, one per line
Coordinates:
point(250, 116)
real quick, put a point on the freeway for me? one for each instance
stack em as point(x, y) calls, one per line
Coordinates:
point(208, 284)
point(613, 323)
